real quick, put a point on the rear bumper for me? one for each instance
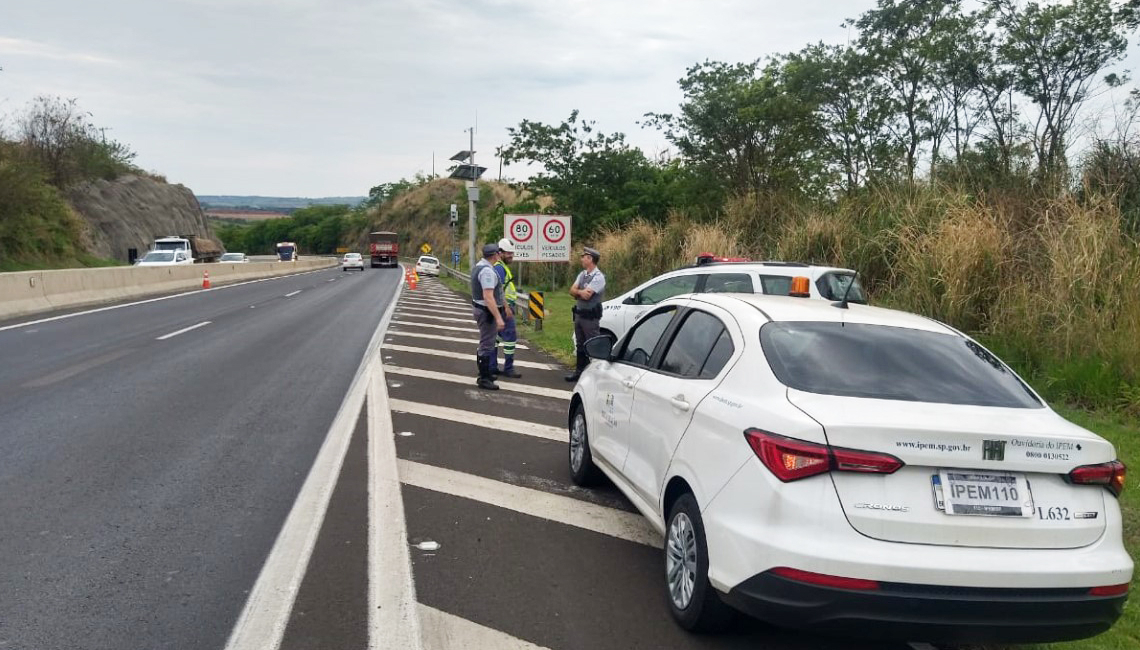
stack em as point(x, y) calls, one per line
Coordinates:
point(929, 613)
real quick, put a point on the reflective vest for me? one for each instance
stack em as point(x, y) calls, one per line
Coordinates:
point(512, 293)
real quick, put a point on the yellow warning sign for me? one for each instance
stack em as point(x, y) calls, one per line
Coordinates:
point(426, 248)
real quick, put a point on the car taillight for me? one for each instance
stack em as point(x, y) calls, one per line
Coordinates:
point(825, 580)
point(1110, 590)
point(790, 459)
point(1110, 475)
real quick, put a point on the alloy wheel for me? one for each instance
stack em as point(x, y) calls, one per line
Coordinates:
point(681, 560)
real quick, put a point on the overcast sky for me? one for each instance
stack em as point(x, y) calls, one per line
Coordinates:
point(330, 97)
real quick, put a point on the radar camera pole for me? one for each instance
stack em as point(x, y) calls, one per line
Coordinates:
point(472, 197)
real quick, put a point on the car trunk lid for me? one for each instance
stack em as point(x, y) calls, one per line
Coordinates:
point(1032, 449)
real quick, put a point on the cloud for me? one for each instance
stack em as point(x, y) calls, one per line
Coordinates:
point(334, 96)
point(32, 49)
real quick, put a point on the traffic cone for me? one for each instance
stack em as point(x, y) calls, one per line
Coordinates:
point(205, 279)
point(412, 281)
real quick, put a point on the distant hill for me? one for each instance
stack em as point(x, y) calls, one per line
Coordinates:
point(274, 203)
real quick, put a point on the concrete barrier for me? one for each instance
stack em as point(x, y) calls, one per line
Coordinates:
point(29, 292)
point(22, 293)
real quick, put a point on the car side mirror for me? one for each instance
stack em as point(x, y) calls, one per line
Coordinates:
point(632, 300)
point(600, 347)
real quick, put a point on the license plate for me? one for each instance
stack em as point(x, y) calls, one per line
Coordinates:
point(993, 494)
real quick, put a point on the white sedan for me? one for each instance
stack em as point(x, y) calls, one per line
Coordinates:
point(165, 258)
point(427, 265)
point(352, 261)
point(855, 470)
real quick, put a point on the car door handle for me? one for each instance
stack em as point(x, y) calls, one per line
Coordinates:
point(628, 383)
point(679, 402)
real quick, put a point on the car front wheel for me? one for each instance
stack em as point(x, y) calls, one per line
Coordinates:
point(693, 602)
point(582, 468)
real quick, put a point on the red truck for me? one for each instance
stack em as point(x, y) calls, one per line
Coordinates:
point(383, 248)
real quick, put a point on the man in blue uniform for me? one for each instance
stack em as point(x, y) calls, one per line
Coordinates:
point(486, 298)
point(588, 291)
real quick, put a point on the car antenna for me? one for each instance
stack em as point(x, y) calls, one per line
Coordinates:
point(842, 304)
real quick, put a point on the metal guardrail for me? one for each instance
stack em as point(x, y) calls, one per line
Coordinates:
point(466, 277)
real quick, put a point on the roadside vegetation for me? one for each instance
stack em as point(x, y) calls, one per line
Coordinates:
point(48, 148)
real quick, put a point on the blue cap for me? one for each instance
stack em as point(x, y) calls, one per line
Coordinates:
point(490, 249)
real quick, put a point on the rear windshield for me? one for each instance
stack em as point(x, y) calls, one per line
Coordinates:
point(896, 363)
point(429, 260)
point(229, 257)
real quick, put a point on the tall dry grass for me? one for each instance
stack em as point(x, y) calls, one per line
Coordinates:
point(1052, 285)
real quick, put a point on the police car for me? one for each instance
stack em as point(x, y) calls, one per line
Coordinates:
point(713, 274)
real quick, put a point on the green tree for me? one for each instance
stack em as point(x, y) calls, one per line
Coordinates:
point(853, 107)
point(739, 122)
point(596, 177)
point(904, 39)
point(1058, 52)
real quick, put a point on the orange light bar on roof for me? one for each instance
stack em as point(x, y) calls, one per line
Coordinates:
point(801, 287)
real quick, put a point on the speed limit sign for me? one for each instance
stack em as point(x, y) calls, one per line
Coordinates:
point(538, 237)
point(554, 243)
point(521, 229)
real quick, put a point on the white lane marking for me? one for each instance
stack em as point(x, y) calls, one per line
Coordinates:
point(451, 328)
point(436, 297)
point(404, 311)
point(465, 314)
point(528, 389)
point(266, 612)
point(331, 280)
point(193, 292)
point(290, 295)
point(443, 631)
point(536, 503)
point(393, 620)
point(465, 357)
point(437, 337)
point(453, 305)
point(920, 645)
point(182, 331)
point(480, 420)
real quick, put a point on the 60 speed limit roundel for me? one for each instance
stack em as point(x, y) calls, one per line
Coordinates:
point(554, 232)
point(521, 230)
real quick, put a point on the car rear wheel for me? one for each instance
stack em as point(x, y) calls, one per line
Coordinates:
point(693, 602)
point(582, 468)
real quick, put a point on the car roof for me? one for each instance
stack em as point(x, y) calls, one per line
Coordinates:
point(785, 308)
point(783, 268)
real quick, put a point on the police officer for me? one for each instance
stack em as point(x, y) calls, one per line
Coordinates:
point(588, 290)
point(509, 335)
point(486, 298)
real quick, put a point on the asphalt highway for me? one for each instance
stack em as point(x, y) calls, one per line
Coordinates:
point(144, 477)
point(306, 463)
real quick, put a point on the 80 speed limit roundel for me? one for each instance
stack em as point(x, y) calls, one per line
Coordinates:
point(521, 230)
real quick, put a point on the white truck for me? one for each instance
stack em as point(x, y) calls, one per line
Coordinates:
point(200, 249)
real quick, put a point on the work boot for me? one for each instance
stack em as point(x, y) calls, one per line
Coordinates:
point(583, 361)
point(486, 380)
point(509, 368)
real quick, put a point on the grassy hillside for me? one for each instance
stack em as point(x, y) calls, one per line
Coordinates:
point(38, 229)
point(421, 214)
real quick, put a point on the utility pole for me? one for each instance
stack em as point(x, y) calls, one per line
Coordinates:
point(468, 171)
point(472, 197)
